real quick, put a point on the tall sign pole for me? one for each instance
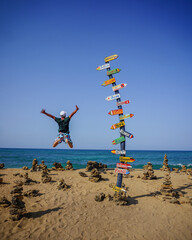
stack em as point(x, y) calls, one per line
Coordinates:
point(121, 125)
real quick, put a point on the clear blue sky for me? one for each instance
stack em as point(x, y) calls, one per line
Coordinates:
point(49, 51)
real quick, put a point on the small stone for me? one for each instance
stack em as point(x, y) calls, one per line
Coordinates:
point(82, 174)
point(100, 197)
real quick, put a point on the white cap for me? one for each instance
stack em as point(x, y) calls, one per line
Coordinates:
point(63, 114)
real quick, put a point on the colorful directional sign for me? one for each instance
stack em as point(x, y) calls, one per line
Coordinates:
point(110, 81)
point(126, 134)
point(126, 116)
point(116, 111)
point(118, 152)
point(121, 103)
point(117, 87)
point(113, 97)
point(122, 171)
point(105, 66)
point(123, 165)
point(118, 140)
point(118, 189)
point(118, 125)
point(126, 159)
point(110, 72)
point(110, 58)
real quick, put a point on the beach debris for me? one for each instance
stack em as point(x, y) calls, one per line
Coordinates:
point(167, 190)
point(95, 175)
point(45, 178)
point(2, 165)
point(165, 166)
point(25, 168)
point(57, 167)
point(17, 208)
point(99, 197)
point(4, 202)
point(62, 185)
point(31, 193)
point(148, 173)
point(92, 164)
point(183, 169)
point(69, 165)
point(35, 166)
point(82, 174)
point(42, 165)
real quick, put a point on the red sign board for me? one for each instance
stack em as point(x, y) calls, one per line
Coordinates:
point(123, 165)
point(122, 171)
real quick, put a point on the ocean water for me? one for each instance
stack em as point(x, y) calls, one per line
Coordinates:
point(17, 158)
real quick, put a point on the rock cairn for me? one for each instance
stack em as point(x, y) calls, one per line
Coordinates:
point(45, 178)
point(57, 167)
point(42, 165)
point(31, 193)
point(92, 164)
point(167, 190)
point(69, 165)
point(148, 173)
point(4, 202)
point(175, 170)
point(25, 168)
point(35, 166)
point(95, 175)
point(99, 197)
point(165, 166)
point(62, 185)
point(27, 180)
point(2, 165)
point(183, 169)
point(17, 208)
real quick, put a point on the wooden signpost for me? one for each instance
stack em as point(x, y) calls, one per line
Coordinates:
point(122, 166)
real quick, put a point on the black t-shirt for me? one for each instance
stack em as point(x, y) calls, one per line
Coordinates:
point(63, 124)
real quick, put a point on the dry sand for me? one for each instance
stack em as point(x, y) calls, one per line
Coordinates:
point(74, 214)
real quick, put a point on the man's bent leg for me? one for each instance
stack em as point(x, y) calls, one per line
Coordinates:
point(70, 144)
point(56, 143)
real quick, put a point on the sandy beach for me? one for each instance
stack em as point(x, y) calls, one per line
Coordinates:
point(74, 213)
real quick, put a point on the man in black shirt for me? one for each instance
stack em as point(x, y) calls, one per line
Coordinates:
point(63, 124)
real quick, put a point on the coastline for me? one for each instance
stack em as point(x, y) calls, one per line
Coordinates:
point(74, 214)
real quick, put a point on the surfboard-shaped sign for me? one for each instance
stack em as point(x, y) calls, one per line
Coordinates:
point(123, 102)
point(118, 125)
point(113, 71)
point(113, 97)
point(126, 116)
point(118, 152)
point(126, 134)
point(122, 171)
point(110, 81)
point(105, 66)
point(118, 140)
point(123, 165)
point(117, 87)
point(116, 111)
point(126, 159)
point(110, 58)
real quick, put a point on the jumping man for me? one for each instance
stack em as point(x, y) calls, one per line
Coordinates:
point(63, 123)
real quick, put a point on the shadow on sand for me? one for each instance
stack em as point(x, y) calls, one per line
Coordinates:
point(41, 213)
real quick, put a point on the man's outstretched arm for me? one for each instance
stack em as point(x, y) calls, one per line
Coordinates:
point(71, 115)
point(47, 114)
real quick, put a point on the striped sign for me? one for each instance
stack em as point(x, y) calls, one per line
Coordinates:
point(127, 134)
point(123, 165)
point(122, 171)
point(116, 112)
point(121, 103)
point(107, 82)
point(118, 140)
point(105, 66)
point(117, 87)
point(110, 58)
point(118, 125)
point(113, 97)
point(110, 72)
point(119, 152)
point(126, 116)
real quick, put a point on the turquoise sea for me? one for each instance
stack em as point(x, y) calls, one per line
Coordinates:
point(17, 158)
